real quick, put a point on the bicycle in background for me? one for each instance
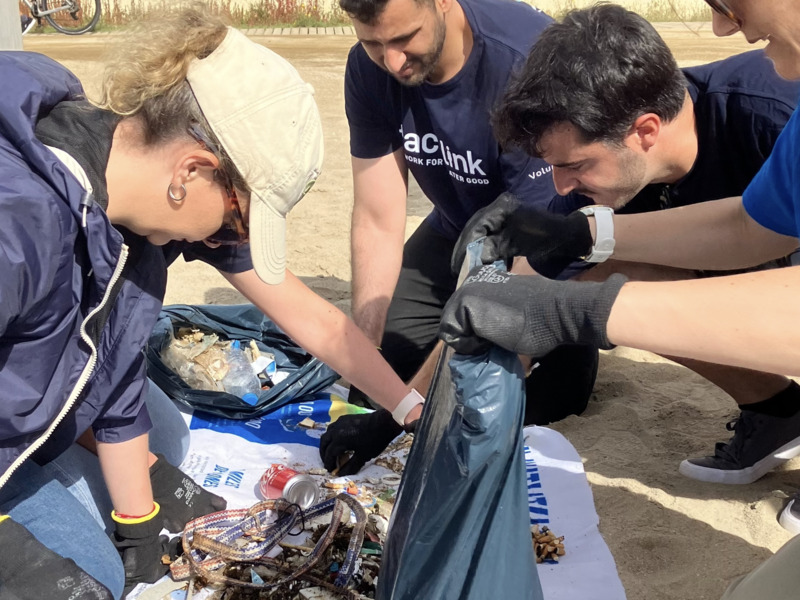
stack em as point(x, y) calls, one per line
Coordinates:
point(72, 17)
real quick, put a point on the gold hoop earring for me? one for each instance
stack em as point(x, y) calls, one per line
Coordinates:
point(173, 196)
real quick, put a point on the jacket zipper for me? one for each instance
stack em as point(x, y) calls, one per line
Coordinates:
point(84, 377)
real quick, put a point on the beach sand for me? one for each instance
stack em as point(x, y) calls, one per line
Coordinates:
point(671, 537)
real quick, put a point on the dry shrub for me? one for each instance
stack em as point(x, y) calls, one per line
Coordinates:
point(652, 10)
point(258, 13)
point(320, 13)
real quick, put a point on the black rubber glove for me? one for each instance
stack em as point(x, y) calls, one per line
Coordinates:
point(366, 436)
point(550, 242)
point(529, 315)
point(31, 571)
point(142, 548)
point(181, 499)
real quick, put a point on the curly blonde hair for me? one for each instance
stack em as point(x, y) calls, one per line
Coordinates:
point(145, 77)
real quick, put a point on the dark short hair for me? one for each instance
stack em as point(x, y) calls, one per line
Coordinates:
point(368, 11)
point(599, 69)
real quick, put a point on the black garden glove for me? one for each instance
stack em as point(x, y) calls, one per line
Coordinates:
point(529, 315)
point(142, 548)
point(181, 499)
point(550, 242)
point(366, 436)
point(31, 571)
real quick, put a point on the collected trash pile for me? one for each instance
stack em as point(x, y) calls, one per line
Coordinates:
point(362, 582)
point(192, 350)
point(546, 546)
point(322, 545)
point(205, 362)
point(246, 551)
point(299, 545)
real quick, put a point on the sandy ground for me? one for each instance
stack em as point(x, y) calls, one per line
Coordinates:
point(672, 538)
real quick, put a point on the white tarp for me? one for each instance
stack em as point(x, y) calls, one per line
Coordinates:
point(228, 458)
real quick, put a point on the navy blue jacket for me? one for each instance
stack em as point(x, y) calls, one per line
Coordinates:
point(78, 298)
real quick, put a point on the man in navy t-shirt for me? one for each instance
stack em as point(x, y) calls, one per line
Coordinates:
point(740, 106)
point(635, 134)
point(745, 319)
point(419, 89)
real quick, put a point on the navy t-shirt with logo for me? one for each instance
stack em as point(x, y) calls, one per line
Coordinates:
point(444, 129)
point(741, 105)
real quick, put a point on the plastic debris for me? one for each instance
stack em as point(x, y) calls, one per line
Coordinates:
point(317, 593)
point(392, 480)
point(254, 578)
point(307, 423)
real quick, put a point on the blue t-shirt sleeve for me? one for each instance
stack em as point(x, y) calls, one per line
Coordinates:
point(367, 104)
point(565, 205)
point(773, 195)
point(530, 179)
point(228, 259)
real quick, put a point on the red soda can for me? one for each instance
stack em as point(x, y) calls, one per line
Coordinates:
point(279, 481)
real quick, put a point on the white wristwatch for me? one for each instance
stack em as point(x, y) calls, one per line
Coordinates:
point(604, 233)
point(410, 400)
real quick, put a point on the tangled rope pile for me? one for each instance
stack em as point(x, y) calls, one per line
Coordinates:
point(244, 536)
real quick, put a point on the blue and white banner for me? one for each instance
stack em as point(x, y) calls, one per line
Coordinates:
point(560, 498)
point(229, 457)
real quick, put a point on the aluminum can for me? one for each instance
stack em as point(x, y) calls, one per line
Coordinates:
point(279, 481)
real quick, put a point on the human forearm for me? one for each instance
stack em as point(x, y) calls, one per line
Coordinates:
point(126, 470)
point(380, 187)
point(715, 235)
point(351, 354)
point(376, 257)
point(744, 320)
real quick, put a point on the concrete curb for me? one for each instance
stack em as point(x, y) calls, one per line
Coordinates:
point(299, 31)
point(253, 32)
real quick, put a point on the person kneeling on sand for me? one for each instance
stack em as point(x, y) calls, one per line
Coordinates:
point(202, 143)
point(745, 320)
point(637, 134)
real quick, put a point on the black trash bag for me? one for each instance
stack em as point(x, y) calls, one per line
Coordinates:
point(460, 529)
point(236, 322)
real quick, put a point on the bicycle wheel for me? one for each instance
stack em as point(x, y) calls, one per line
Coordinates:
point(74, 17)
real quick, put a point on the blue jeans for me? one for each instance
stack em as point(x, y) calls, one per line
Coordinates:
point(34, 499)
point(66, 506)
point(79, 470)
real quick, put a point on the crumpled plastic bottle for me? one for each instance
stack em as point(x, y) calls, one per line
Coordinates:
point(240, 379)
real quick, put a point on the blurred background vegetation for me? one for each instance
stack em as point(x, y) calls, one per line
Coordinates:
point(321, 13)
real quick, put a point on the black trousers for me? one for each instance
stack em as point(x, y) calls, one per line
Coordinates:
point(558, 387)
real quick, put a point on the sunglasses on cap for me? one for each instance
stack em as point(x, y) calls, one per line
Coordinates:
point(234, 230)
point(723, 9)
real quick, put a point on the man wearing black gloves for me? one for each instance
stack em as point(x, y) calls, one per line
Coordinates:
point(747, 320)
point(419, 89)
point(655, 138)
point(768, 430)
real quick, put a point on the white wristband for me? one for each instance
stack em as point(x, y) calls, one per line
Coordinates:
point(401, 411)
point(604, 233)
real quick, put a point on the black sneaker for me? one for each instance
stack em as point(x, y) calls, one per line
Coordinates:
point(759, 444)
point(790, 516)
